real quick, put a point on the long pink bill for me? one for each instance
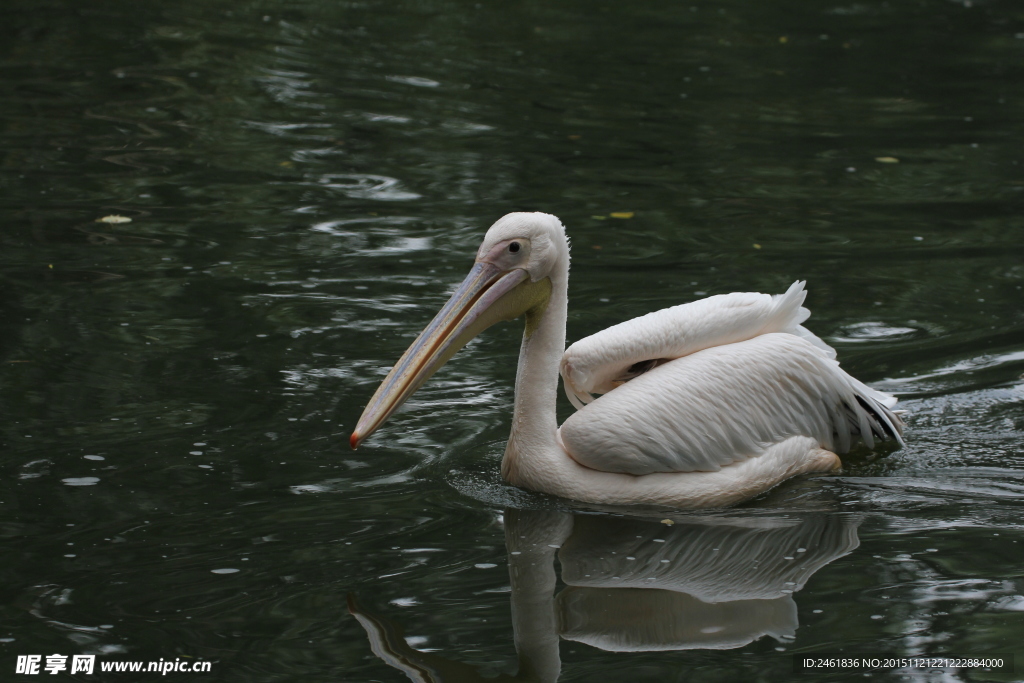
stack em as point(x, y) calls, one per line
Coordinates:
point(459, 321)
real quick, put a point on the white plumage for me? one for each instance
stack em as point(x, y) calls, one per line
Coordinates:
point(705, 404)
point(602, 361)
point(722, 405)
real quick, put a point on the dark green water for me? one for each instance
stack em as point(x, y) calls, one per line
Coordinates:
point(306, 180)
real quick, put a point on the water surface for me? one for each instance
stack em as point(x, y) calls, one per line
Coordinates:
point(307, 180)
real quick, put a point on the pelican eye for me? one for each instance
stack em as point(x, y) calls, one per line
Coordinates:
point(514, 247)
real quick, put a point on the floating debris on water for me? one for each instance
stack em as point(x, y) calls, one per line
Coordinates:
point(81, 481)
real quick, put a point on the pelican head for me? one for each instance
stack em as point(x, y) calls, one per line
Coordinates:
point(511, 277)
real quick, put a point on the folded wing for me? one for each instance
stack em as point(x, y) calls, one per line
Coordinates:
point(724, 404)
point(603, 361)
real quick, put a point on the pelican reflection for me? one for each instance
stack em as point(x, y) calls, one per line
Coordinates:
point(633, 585)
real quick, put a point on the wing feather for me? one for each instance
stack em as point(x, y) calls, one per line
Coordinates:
point(725, 404)
point(603, 361)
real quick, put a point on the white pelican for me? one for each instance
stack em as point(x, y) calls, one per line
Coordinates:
point(706, 404)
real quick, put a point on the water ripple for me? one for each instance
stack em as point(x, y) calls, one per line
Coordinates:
point(367, 186)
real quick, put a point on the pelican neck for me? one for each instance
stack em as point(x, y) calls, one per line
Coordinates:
point(534, 436)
